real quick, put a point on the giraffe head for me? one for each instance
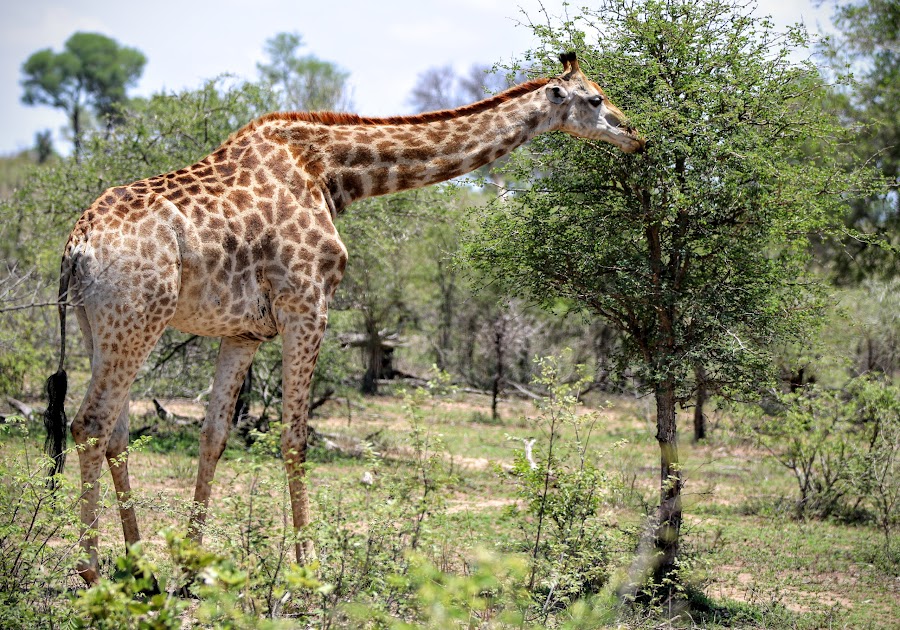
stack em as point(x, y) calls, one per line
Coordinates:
point(582, 109)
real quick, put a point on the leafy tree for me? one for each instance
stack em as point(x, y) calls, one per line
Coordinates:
point(696, 250)
point(378, 234)
point(868, 47)
point(91, 74)
point(303, 82)
point(43, 146)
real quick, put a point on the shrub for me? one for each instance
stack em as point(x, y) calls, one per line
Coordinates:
point(38, 534)
point(562, 485)
point(842, 447)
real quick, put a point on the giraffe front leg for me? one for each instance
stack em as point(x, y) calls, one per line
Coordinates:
point(235, 357)
point(302, 337)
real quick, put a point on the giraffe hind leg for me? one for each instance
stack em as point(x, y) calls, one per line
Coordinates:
point(118, 444)
point(100, 431)
point(117, 459)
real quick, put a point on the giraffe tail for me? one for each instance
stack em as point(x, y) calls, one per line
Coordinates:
point(55, 421)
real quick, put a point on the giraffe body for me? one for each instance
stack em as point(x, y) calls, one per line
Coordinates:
point(242, 246)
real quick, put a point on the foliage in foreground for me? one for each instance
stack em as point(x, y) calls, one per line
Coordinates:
point(390, 552)
point(38, 544)
point(380, 568)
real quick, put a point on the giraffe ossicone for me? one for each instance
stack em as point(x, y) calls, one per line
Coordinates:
point(242, 246)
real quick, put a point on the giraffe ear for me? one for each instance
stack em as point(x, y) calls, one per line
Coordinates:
point(556, 94)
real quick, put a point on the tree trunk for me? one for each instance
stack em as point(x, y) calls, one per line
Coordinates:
point(499, 338)
point(446, 312)
point(699, 418)
point(668, 519)
point(76, 132)
point(373, 365)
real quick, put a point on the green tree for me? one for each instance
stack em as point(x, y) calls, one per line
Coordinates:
point(43, 146)
point(304, 83)
point(378, 233)
point(696, 250)
point(868, 47)
point(91, 74)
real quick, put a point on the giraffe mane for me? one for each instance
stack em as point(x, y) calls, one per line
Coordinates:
point(339, 118)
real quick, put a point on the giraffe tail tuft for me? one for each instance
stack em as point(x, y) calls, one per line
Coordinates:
point(55, 422)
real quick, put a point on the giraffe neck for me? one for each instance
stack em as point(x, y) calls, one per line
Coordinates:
point(357, 157)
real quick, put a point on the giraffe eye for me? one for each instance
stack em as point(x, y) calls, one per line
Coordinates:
point(595, 100)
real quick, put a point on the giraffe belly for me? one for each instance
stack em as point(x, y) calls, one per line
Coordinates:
point(239, 308)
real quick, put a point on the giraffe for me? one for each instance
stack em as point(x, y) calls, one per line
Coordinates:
point(242, 246)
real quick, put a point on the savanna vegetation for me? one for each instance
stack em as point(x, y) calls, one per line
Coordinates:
point(578, 389)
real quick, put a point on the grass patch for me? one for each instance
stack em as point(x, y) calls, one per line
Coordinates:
point(751, 564)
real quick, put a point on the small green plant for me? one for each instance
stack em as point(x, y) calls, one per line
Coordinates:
point(876, 479)
point(132, 598)
point(38, 533)
point(559, 478)
point(813, 438)
point(428, 449)
point(491, 594)
point(256, 535)
point(366, 532)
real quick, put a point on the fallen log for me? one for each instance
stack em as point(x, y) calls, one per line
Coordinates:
point(22, 408)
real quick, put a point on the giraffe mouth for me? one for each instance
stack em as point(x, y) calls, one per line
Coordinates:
point(637, 145)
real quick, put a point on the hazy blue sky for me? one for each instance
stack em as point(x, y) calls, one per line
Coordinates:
point(383, 44)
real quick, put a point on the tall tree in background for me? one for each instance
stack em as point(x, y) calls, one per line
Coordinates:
point(869, 46)
point(90, 75)
point(696, 250)
point(304, 83)
point(43, 145)
point(375, 288)
point(441, 88)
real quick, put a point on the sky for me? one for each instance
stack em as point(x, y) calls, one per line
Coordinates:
point(384, 45)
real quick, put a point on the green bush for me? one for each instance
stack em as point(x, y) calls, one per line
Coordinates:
point(562, 485)
point(38, 534)
point(842, 447)
point(25, 345)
